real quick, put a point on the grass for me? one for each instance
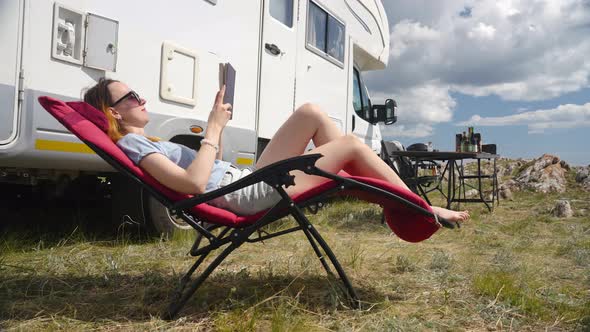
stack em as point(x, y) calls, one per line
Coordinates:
point(517, 268)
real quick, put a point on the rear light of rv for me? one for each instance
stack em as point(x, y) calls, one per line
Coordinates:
point(196, 129)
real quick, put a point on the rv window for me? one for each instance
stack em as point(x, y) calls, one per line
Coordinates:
point(325, 34)
point(316, 27)
point(282, 10)
point(335, 39)
point(357, 102)
point(366, 103)
point(360, 99)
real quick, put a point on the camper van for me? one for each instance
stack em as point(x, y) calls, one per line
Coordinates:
point(285, 53)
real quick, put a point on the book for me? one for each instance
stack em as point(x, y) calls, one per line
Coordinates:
point(229, 79)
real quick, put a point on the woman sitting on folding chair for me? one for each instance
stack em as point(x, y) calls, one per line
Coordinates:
point(184, 170)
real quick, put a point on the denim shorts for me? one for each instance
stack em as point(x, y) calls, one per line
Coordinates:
point(248, 200)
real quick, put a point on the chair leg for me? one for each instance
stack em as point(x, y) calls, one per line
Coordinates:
point(317, 251)
point(312, 234)
point(353, 297)
point(423, 194)
point(177, 305)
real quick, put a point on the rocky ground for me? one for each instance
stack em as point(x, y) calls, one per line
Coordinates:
point(545, 174)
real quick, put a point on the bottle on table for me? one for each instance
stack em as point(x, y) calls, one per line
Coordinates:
point(472, 142)
point(464, 142)
point(458, 142)
point(470, 139)
point(478, 141)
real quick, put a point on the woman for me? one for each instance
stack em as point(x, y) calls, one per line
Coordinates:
point(187, 171)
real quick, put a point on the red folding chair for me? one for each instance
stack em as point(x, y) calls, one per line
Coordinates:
point(409, 216)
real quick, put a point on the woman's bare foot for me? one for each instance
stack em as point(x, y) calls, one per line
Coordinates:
point(451, 215)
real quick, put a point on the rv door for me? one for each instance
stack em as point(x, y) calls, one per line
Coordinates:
point(277, 75)
point(10, 34)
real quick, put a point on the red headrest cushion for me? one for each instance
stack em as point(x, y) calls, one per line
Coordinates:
point(90, 113)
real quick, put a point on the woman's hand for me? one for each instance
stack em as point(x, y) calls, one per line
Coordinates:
point(221, 112)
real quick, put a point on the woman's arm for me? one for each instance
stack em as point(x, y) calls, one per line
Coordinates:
point(220, 152)
point(193, 179)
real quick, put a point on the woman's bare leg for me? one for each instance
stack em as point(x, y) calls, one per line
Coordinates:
point(350, 154)
point(307, 123)
point(450, 214)
point(340, 153)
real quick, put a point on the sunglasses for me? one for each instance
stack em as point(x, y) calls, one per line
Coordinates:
point(131, 94)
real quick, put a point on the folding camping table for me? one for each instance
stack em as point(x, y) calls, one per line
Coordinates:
point(458, 179)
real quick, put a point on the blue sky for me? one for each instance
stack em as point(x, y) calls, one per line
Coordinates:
point(517, 70)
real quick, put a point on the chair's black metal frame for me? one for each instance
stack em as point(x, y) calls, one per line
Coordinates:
point(276, 175)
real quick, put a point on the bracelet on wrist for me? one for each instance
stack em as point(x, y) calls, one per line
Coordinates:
point(205, 141)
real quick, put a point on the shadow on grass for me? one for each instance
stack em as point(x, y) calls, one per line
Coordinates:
point(126, 298)
point(35, 224)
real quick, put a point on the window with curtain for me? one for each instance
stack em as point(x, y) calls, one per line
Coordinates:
point(282, 11)
point(325, 33)
point(335, 39)
point(316, 27)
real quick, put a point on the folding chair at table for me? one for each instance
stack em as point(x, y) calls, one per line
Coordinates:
point(409, 216)
point(409, 170)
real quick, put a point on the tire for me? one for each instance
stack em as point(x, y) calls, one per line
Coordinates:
point(126, 207)
point(160, 218)
point(133, 204)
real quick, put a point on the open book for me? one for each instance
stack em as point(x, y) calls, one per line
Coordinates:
point(228, 77)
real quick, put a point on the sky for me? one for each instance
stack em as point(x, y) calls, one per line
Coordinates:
point(516, 70)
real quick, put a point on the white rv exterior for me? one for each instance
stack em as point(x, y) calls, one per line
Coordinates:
point(285, 52)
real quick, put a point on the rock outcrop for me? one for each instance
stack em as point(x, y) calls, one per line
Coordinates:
point(505, 193)
point(546, 174)
point(583, 177)
point(563, 209)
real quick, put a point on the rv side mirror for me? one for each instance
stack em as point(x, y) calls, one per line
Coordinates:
point(390, 108)
point(385, 113)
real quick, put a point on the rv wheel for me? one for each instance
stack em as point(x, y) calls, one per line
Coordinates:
point(160, 217)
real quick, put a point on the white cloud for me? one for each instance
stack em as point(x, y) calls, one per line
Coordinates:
point(539, 86)
point(482, 32)
point(410, 34)
point(430, 101)
point(506, 8)
point(562, 117)
point(406, 131)
point(522, 50)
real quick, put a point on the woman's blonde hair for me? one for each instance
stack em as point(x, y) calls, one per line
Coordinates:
point(100, 97)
